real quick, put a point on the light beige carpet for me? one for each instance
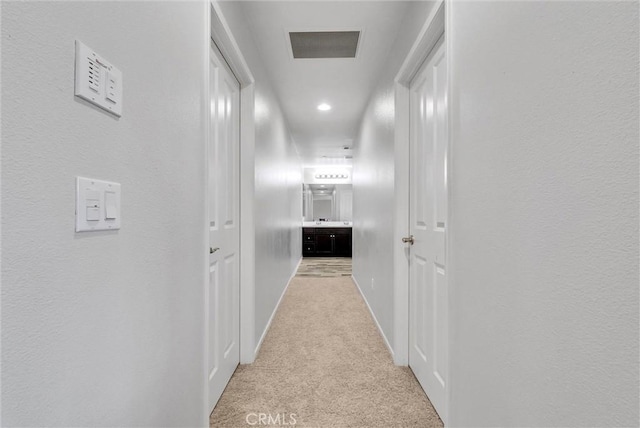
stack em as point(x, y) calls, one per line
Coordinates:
point(323, 364)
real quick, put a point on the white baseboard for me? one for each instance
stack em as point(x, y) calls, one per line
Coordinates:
point(273, 314)
point(386, 342)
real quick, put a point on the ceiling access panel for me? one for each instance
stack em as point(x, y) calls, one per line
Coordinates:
point(324, 44)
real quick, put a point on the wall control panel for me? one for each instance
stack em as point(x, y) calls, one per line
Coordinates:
point(97, 80)
point(97, 205)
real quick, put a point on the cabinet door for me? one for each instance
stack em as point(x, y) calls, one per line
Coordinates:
point(324, 244)
point(342, 244)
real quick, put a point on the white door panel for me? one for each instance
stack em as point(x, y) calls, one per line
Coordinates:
point(428, 293)
point(224, 235)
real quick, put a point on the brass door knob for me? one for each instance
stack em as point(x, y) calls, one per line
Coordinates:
point(408, 239)
point(213, 250)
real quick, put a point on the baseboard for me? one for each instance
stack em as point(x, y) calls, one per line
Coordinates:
point(273, 314)
point(384, 337)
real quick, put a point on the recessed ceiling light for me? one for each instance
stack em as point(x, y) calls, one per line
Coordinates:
point(324, 107)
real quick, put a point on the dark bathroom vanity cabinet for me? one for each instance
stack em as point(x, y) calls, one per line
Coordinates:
point(326, 241)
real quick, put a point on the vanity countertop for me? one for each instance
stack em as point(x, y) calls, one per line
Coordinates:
point(326, 224)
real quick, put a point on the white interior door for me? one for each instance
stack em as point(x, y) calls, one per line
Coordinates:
point(224, 233)
point(428, 294)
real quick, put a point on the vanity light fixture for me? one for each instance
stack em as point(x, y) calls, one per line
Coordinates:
point(332, 176)
point(324, 107)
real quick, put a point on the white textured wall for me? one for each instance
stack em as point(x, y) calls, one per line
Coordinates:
point(544, 206)
point(106, 328)
point(373, 180)
point(278, 182)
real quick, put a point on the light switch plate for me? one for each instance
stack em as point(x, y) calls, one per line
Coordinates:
point(97, 80)
point(97, 205)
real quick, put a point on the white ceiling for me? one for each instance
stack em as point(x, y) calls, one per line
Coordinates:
point(344, 83)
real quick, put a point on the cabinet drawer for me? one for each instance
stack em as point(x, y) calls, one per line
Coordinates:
point(334, 231)
point(342, 231)
point(308, 248)
point(308, 238)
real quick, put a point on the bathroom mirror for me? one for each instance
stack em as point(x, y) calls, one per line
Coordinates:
point(327, 202)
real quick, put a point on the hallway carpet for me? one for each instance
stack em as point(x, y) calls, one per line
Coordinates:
point(323, 364)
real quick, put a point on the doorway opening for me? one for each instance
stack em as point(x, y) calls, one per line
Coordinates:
point(421, 278)
point(225, 58)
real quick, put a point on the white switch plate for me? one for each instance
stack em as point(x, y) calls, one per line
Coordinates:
point(97, 80)
point(99, 200)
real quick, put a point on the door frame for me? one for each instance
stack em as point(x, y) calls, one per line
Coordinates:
point(224, 40)
point(431, 32)
point(436, 26)
point(218, 30)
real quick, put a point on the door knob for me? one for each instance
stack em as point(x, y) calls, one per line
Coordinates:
point(409, 239)
point(213, 250)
